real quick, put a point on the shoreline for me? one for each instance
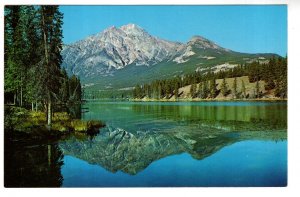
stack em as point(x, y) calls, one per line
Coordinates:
point(24, 125)
point(206, 100)
point(189, 100)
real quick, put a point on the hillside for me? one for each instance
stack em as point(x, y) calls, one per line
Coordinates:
point(185, 92)
point(249, 81)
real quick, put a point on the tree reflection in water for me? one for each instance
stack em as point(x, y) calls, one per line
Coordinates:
point(32, 166)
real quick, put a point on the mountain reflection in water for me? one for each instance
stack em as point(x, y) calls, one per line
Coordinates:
point(139, 134)
point(152, 132)
point(131, 153)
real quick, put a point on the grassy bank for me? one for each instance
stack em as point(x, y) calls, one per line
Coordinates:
point(20, 123)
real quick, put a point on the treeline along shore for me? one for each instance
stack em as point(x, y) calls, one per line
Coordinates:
point(253, 81)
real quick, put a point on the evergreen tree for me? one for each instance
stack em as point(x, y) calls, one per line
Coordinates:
point(234, 88)
point(33, 44)
point(200, 90)
point(51, 26)
point(64, 89)
point(205, 90)
point(257, 90)
point(74, 86)
point(224, 88)
point(193, 90)
point(213, 88)
point(176, 90)
point(243, 89)
point(14, 51)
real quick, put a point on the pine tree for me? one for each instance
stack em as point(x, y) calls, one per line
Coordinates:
point(205, 90)
point(213, 88)
point(14, 56)
point(224, 88)
point(234, 88)
point(257, 90)
point(193, 90)
point(51, 26)
point(176, 90)
point(64, 91)
point(200, 90)
point(243, 89)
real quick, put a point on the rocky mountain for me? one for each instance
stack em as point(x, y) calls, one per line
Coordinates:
point(121, 57)
point(115, 48)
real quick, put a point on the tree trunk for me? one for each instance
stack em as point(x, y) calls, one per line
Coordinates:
point(49, 112)
point(32, 106)
point(15, 98)
point(36, 105)
point(21, 99)
point(45, 37)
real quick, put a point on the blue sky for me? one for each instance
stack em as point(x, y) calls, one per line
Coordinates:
point(251, 29)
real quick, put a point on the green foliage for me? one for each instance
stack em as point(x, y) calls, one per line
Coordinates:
point(234, 88)
point(273, 73)
point(205, 90)
point(213, 88)
point(224, 88)
point(33, 43)
point(14, 116)
point(193, 90)
point(74, 88)
point(243, 89)
point(257, 90)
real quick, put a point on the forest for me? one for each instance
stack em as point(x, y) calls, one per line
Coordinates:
point(274, 73)
point(34, 78)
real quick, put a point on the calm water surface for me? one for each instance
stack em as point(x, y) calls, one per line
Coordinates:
point(164, 144)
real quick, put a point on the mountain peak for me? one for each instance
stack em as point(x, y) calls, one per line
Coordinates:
point(111, 29)
point(201, 42)
point(132, 29)
point(130, 26)
point(198, 38)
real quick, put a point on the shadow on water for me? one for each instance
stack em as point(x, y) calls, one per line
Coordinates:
point(29, 163)
point(32, 165)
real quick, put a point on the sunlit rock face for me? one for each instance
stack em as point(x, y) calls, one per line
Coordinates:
point(115, 48)
point(107, 59)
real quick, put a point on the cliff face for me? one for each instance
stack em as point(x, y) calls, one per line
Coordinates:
point(116, 48)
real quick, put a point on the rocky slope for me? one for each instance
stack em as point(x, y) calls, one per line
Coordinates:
point(116, 48)
point(119, 57)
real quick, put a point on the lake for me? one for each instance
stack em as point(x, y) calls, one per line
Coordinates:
point(162, 144)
